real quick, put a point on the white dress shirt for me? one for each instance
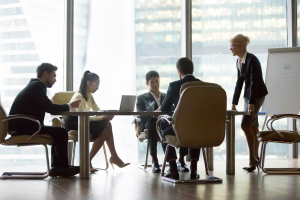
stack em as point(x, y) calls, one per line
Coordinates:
point(240, 62)
point(157, 99)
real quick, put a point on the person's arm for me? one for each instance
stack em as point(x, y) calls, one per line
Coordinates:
point(238, 89)
point(168, 100)
point(94, 105)
point(45, 103)
point(140, 107)
point(255, 73)
point(95, 108)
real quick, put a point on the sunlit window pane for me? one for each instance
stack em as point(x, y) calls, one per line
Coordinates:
point(214, 24)
point(31, 32)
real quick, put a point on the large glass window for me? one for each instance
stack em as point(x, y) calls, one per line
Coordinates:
point(82, 13)
point(214, 24)
point(106, 44)
point(31, 32)
point(158, 46)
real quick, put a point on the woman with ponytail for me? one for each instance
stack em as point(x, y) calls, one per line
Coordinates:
point(100, 126)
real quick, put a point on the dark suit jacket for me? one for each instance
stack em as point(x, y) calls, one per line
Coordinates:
point(33, 101)
point(140, 106)
point(254, 84)
point(172, 96)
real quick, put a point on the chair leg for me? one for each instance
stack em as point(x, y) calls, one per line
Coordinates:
point(276, 170)
point(147, 152)
point(262, 156)
point(104, 150)
point(165, 160)
point(106, 161)
point(146, 159)
point(29, 175)
point(73, 153)
point(205, 161)
point(70, 151)
point(210, 178)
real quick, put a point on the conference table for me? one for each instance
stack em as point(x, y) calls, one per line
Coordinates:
point(83, 136)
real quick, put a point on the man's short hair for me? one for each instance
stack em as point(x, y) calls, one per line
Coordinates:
point(185, 65)
point(151, 74)
point(45, 67)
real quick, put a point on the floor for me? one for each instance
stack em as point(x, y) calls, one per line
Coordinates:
point(134, 183)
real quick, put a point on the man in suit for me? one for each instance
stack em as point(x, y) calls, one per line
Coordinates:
point(185, 69)
point(33, 101)
point(154, 97)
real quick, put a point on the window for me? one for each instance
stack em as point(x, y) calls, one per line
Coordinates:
point(105, 46)
point(31, 32)
point(214, 24)
point(158, 47)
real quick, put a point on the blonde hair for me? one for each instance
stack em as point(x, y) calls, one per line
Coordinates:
point(240, 39)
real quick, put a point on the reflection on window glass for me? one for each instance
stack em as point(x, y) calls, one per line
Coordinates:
point(214, 24)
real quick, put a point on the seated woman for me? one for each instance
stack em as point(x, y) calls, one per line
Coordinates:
point(100, 126)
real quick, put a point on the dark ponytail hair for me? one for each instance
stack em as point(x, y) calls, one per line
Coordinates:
point(87, 76)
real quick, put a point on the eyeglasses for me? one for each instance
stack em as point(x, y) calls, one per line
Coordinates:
point(231, 46)
point(97, 85)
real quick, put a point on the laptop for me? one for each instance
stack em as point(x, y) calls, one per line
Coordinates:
point(127, 104)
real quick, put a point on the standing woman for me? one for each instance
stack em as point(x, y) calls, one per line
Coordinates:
point(255, 90)
point(100, 126)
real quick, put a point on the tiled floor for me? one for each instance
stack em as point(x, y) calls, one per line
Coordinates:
point(133, 183)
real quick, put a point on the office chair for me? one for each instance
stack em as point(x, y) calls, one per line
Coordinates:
point(198, 122)
point(58, 120)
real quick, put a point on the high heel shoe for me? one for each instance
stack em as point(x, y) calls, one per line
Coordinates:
point(252, 168)
point(119, 164)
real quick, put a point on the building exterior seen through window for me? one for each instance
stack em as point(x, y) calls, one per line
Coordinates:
point(122, 42)
point(214, 23)
point(32, 32)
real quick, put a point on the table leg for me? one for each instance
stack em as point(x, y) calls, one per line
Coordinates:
point(83, 140)
point(210, 157)
point(230, 145)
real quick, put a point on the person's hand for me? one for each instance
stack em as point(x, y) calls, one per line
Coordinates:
point(158, 109)
point(233, 107)
point(251, 109)
point(75, 104)
point(108, 117)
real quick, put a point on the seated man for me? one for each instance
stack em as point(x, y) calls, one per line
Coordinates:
point(151, 101)
point(33, 101)
point(185, 69)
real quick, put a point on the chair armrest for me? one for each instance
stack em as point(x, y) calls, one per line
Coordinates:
point(277, 117)
point(137, 125)
point(136, 120)
point(160, 119)
point(59, 118)
point(18, 116)
point(10, 117)
point(285, 116)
